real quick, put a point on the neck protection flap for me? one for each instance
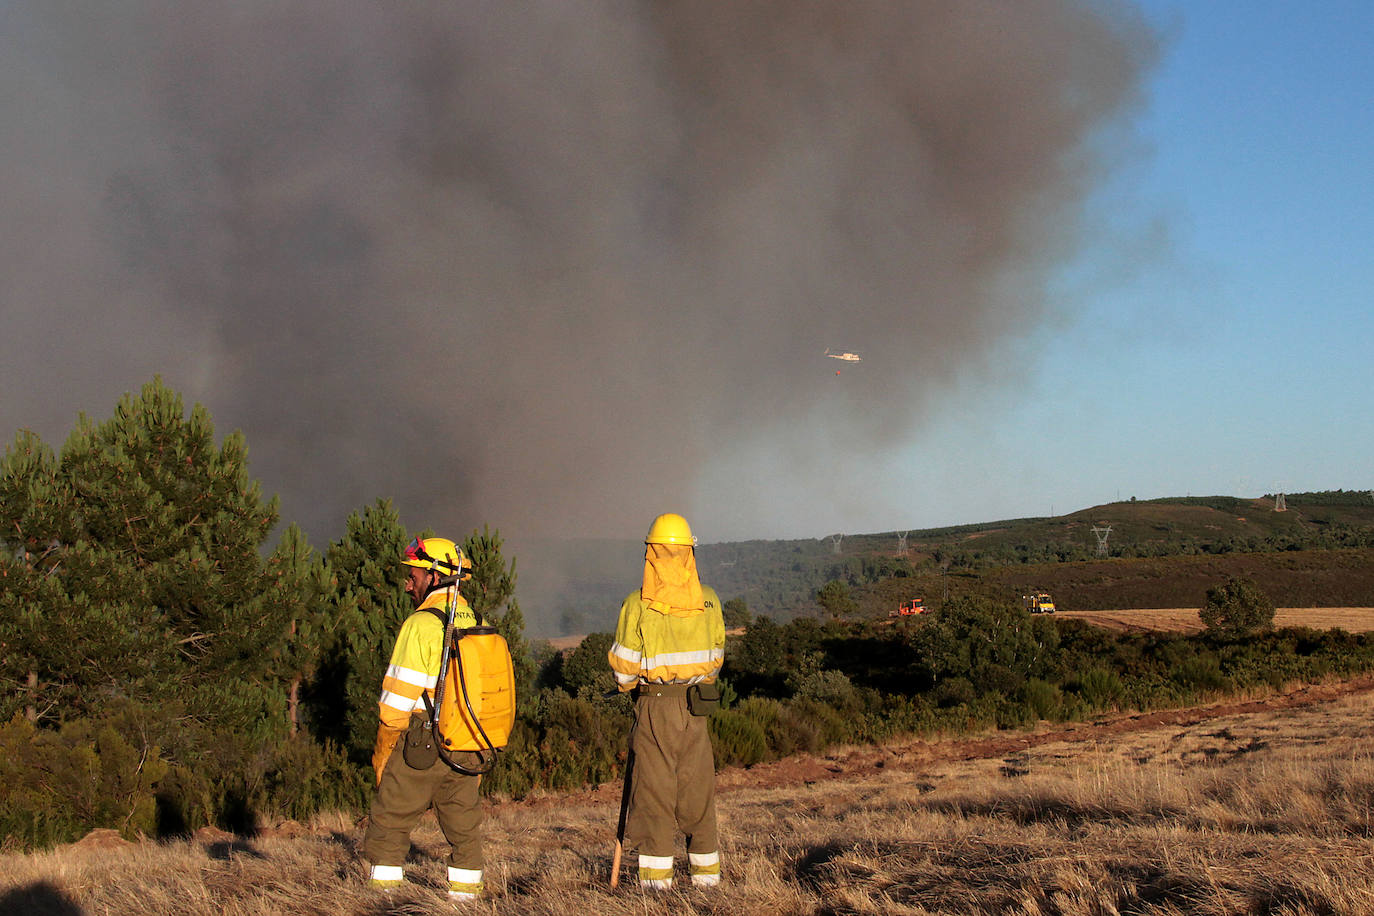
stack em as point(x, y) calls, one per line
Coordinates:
point(671, 585)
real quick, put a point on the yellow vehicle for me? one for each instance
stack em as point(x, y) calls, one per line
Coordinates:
point(1038, 603)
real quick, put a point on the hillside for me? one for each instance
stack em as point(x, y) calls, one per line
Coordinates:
point(1302, 578)
point(1161, 553)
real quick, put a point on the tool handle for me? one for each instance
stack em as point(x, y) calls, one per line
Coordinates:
point(624, 812)
point(444, 655)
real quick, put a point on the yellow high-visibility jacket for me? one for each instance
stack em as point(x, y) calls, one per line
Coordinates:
point(652, 647)
point(414, 668)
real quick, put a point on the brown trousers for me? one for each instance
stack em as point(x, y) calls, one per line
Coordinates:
point(405, 793)
point(673, 780)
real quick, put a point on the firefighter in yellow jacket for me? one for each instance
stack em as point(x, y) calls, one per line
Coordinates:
point(434, 566)
point(669, 647)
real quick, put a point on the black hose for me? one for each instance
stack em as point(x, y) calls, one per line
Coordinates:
point(488, 764)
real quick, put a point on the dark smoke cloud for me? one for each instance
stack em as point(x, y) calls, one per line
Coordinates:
point(535, 264)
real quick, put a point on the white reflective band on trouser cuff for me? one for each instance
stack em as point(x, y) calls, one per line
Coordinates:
point(705, 868)
point(388, 873)
point(656, 872)
point(464, 883)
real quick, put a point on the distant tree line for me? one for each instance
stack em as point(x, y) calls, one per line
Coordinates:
point(1329, 498)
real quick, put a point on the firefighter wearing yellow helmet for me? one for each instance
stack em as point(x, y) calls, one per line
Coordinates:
point(669, 647)
point(409, 782)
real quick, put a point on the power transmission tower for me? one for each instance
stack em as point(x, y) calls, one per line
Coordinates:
point(835, 542)
point(1102, 539)
point(1279, 504)
point(901, 543)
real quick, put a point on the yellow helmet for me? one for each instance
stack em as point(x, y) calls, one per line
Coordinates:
point(439, 554)
point(670, 528)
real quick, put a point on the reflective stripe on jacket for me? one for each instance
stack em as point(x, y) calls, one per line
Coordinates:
point(657, 648)
point(414, 668)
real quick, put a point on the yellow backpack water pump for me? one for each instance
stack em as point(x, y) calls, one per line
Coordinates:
point(474, 699)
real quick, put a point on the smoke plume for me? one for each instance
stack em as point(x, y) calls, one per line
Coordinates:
point(551, 266)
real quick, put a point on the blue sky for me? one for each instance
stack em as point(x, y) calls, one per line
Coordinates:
point(1219, 337)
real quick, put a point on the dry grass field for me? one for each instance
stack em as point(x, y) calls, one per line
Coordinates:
point(1185, 620)
point(1264, 806)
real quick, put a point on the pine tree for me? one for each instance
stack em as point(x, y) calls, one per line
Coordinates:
point(33, 524)
point(369, 604)
point(138, 578)
point(299, 579)
point(167, 565)
point(834, 597)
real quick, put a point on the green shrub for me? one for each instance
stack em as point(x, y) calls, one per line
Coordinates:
point(954, 691)
point(1012, 712)
point(586, 665)
point(1153, 692)
point(1201, 672)
point(780, 733)
point(983, 712)
point(299, 777)
point(738, 739)
point(62, 783)
point(1099, 688)
point(804, 726)
point(728, 695)
point(1043, 699)
point(831, 688)
point(517, 771)
point(563, 742)
point(908, 715)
